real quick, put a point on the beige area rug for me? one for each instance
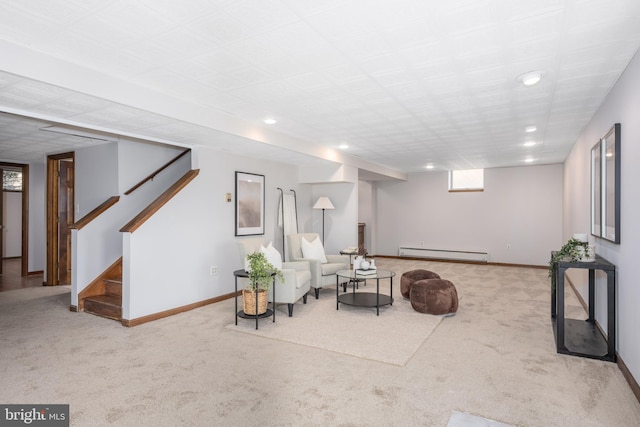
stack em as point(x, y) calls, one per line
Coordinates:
point(392, 337)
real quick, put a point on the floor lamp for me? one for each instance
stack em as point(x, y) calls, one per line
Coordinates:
point(323, 203)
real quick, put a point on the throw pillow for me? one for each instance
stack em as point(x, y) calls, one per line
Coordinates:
point(272, 255)
point(313, 250)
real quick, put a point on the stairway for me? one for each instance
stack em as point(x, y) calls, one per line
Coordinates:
point(103, 296)
point(109, 304)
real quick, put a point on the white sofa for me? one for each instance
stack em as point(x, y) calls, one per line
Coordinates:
point(297, 276)
point(322, 274)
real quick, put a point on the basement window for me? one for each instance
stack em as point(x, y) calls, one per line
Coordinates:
point(466, 180)
point(11, 180)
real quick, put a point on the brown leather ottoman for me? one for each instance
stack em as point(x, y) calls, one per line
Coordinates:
point(434, 296)
point(409, 277)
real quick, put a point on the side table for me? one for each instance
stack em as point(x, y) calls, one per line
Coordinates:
point(241, 313)
point(582, 337)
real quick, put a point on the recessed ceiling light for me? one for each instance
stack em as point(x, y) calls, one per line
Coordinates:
point(531, 78)
point(343, 146)
point(529, 143)
point(530, 129)
point(429, 166)
point(529, 160)
point(270, 121)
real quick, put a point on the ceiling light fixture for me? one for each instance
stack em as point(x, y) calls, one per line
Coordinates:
point(530, 129)
point(531, 78)
point(529, 160)
point(429, 166)
point(529, 143)
point(343, 146)
point(270, 121)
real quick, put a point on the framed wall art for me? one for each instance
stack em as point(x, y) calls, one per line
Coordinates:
point(249, 204)
point(605, 186)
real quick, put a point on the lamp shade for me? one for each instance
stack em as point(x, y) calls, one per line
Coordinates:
point(323, 203)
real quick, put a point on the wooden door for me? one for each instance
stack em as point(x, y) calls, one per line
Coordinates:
point(60, 202)
point(65, 220)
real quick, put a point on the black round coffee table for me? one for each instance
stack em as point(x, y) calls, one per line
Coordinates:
point(365, 299)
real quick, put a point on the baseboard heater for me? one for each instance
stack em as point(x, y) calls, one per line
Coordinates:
point(443, 254)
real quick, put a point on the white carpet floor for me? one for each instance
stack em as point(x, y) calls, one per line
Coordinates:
point(495, 359)
point(462, 419)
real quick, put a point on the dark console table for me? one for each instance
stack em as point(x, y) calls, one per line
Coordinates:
point(583, 337)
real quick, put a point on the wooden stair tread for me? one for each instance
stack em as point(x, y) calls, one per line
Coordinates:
point(109, 306)
point(113, 281)
point(105, 299)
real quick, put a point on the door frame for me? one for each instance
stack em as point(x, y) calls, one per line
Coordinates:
point(25, 214)
point(53, 161)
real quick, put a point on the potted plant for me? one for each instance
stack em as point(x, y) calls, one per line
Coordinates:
point(574, 250)
point(261, 273)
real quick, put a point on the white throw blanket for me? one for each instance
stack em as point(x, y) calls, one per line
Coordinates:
point(289, 221)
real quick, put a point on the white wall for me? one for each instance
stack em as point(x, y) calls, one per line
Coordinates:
point(366, 213)
point(520, 207)
point(137, 160)
point(341, 223)
point(12, 221)
point(96, 177)
point(171, 253)
point(622, 105)
point(37, 250)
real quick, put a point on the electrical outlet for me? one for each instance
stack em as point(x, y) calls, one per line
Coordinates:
point(213, 271)
point(422, 243)
point(508, 245)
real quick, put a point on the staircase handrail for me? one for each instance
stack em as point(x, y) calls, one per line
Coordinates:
point(156, 172)
point(78, 225)
point(160, 201)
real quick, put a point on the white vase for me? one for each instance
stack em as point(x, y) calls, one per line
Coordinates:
point(590, 254)
point(357, 261)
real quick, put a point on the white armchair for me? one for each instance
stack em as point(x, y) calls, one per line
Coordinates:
point(322, 273)
point(297, 276)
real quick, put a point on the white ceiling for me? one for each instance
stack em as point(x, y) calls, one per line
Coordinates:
point(404, 83)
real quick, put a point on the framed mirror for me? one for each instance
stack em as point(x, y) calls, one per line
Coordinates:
point(611, 184)
point(596, 190)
